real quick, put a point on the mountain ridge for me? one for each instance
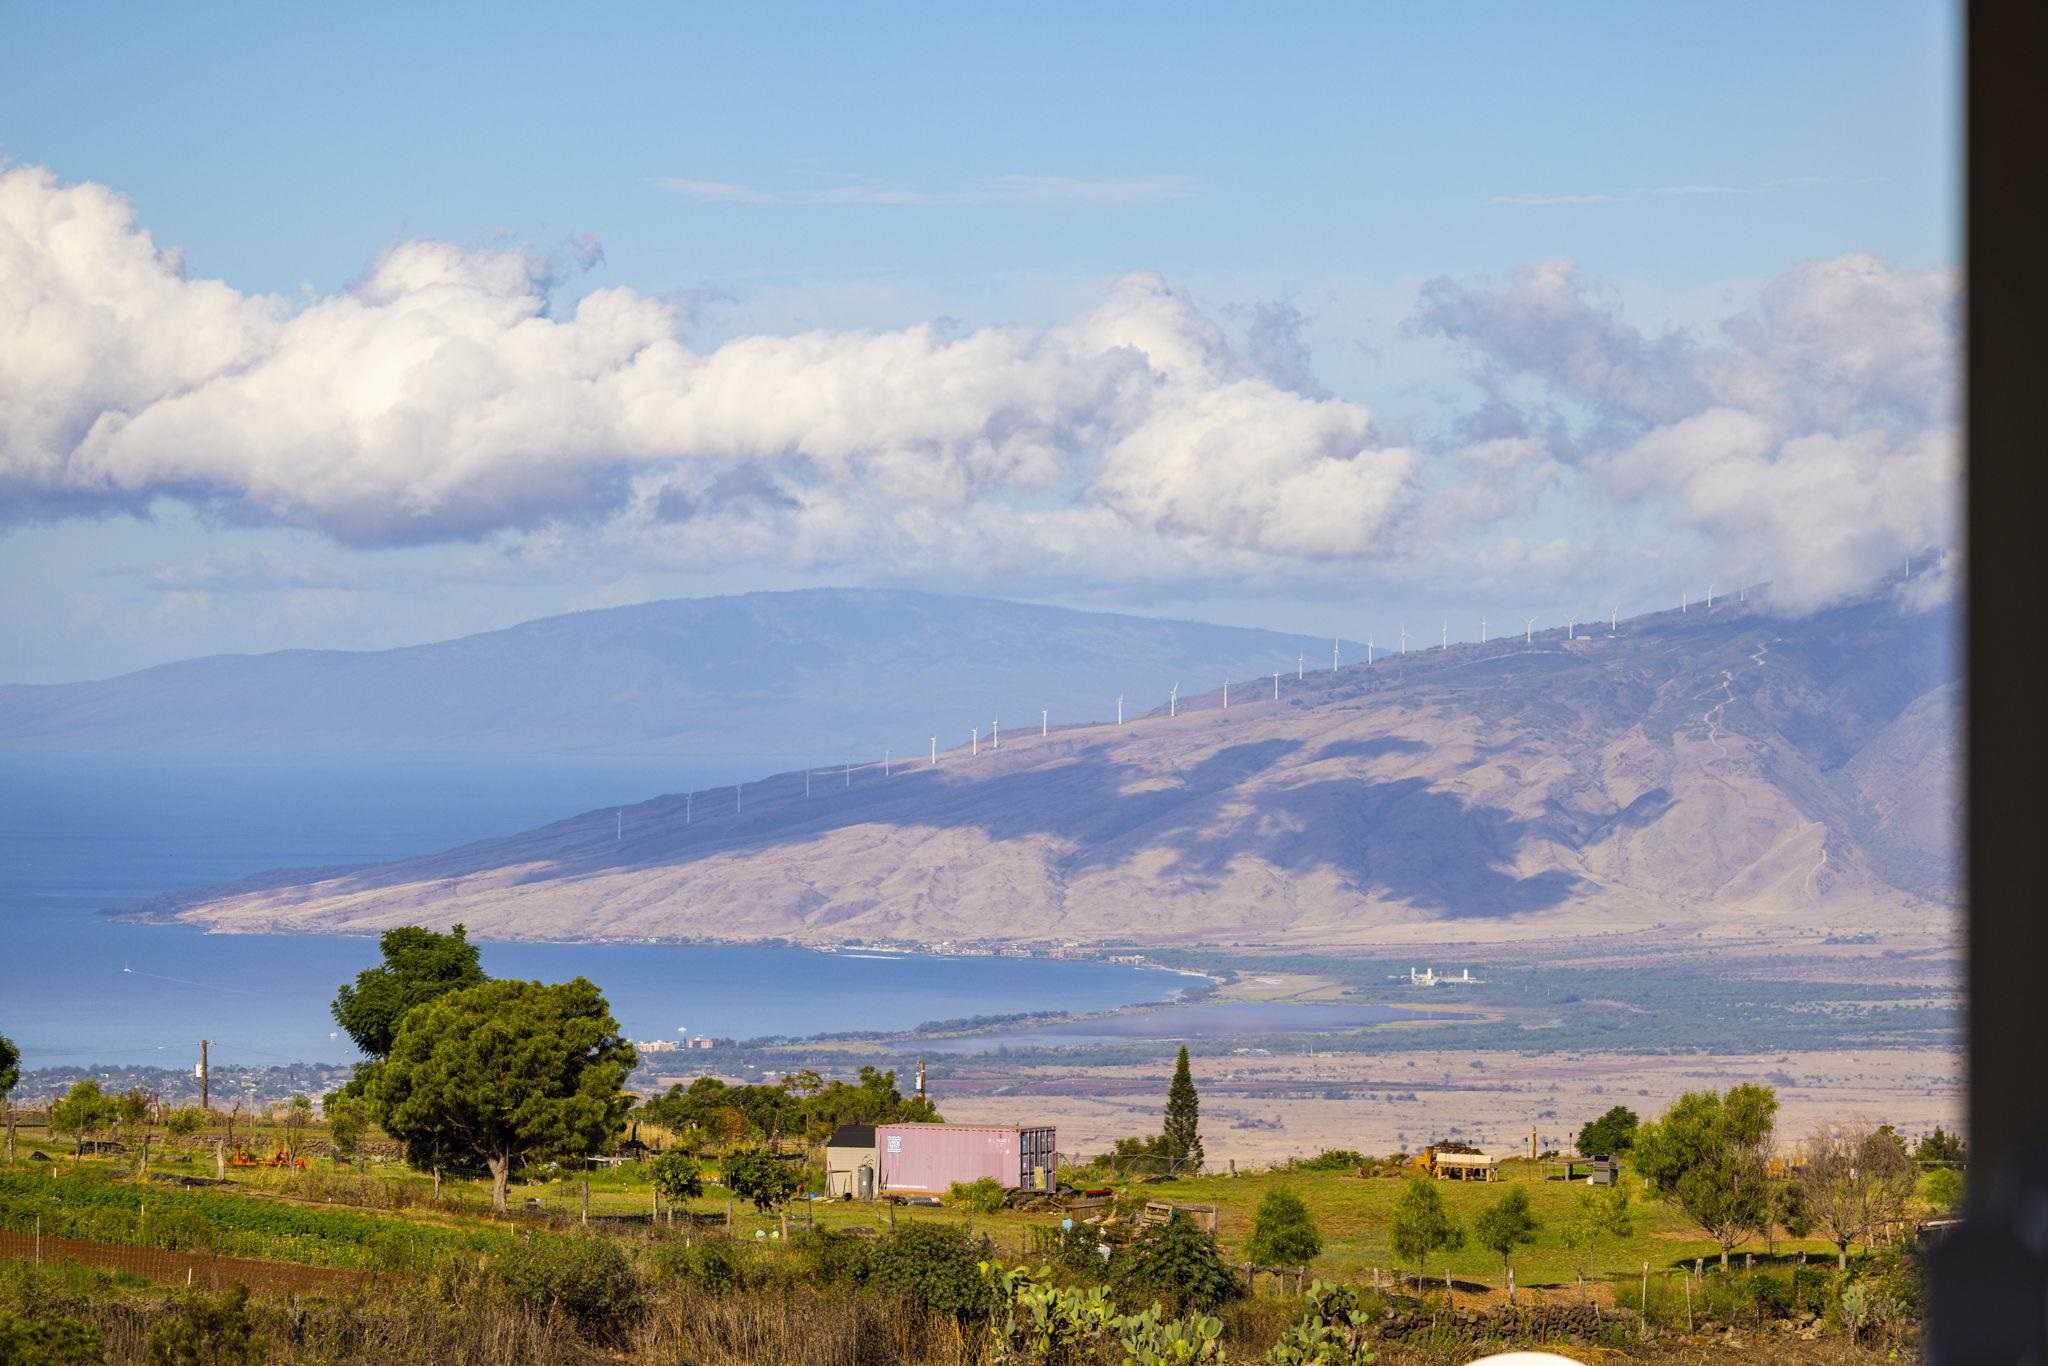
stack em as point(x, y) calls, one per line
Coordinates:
point(757, 673)
point(1710, 768)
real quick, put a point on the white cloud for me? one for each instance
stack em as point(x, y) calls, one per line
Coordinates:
point(438, 398)
point(1814, 441)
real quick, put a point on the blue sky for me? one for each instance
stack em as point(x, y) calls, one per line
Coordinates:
point(770, 171)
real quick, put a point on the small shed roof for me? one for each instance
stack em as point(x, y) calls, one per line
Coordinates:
point(852, 1136)
point(1466, 1160)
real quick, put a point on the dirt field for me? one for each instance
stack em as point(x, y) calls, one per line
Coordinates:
point(1258, 1110)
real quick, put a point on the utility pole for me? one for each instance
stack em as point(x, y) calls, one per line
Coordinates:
point(203, 1075)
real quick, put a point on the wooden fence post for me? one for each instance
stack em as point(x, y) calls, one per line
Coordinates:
point(586, 1202)
point(1450, 1295)
point(1688, 1303)
point(1511, 1285)
point(1643, 1305)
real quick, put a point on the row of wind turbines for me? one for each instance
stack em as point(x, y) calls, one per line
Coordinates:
point(973, 746)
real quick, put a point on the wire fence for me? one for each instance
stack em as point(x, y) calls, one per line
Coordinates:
point(25, 1241)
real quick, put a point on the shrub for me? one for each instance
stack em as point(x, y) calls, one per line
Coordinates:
point(1333, 1160)
point(985, 1195)
point(48, 1340)
point(676, 1177)
point(717, 1266)
point(758, 1175)
point(828, 1258)
point(207, 1330)
point(1176, 1264)
point(1283, 1234)
point(938, 1265)
point(587, 1282)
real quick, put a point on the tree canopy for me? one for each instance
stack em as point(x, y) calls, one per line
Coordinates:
point(1710, 1154)
point(802, 1104)
point(1611, 1134)
point(760, 1176)
point(503, 1073)
point(1420, 1224)
point(84, 1109)
point(1506, 1224)
point(419, 966)
point(1178, 1264)
point(1855, 1178)
point(1182, 1129)
point(1283, 1233)
point(10, 1067)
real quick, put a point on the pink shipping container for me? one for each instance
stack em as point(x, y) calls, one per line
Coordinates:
point(926, 1159)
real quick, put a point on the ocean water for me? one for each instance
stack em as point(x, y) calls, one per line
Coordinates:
point(81, 833)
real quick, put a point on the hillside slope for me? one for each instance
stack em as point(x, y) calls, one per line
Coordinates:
point(800, 673)
point(1698, 769)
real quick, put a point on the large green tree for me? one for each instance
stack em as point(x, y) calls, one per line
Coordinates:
point(1710, 1155)
point(1420, 1225)
point(1182, 1130)
point(419, 966)
point(760, 1176)
point(1610, 1135)
point(504, 1073)
point(10, 1077)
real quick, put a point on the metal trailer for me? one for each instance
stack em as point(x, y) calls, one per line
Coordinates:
point(928, 1159)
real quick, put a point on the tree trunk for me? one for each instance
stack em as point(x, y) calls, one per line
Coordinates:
point(1724, 1256)
point(1841, 1256)
point(501, 1178)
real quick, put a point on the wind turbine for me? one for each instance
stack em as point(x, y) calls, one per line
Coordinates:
point(1482, 628)
point(807, 782)
point(974, 741)
point(1333, 656)
point(686, 808)
point(1684, 600)
point(1613, 619)
point(1710, 597)
point(1368, 649)
point(1119, 709)
point(1404, 637)
point(1042, 723)
point(1571, 628)
point(1445, 642)
point(1276, 685)
point(995, 732)
point(1226, 694)
point(885, 763)
point(935, 751)
point(849, 773)
point(1300, 663)
point(737, 788)
point(1173, 700)
point(1529, 631)
point(622, 824)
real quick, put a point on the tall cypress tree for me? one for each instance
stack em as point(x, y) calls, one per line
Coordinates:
point(1183, 1110)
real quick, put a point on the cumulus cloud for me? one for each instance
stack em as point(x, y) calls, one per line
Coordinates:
point(439, 398)
point(1814, 440)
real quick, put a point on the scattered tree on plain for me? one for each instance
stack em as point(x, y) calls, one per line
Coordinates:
point(676, 1177)
point(1283, 1233)
point(1183, 1114)
point(1506, 1224)
point(1177, 1264)
point(1602, 1212)
point(758, 1175)
point(1420, 1225)
point(504, 1073)
point(1710, 1154)
point(1942, 1149)
point(84, 1109)
point(348, 1123)
point(1611, 1135)
point(1856, 1177)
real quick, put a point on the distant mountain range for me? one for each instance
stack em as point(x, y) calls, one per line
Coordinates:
point(1721, 770)
point(819, 672)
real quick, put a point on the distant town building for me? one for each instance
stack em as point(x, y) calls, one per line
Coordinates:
point(1427, 977)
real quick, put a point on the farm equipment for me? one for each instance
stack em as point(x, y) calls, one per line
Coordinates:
point(280, 1156)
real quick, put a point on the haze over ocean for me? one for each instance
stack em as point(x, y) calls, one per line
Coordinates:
point(82, 832)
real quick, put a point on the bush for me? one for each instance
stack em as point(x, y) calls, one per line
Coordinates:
point(1283, 1234)
point(827, 1258)
point(1176, 1264)
point(1333, 1160)
point(982, 1196)
point(48, 1340)
point(587, 1282)
point(938, 1265)
point(207, 1330)
point(717, 1266)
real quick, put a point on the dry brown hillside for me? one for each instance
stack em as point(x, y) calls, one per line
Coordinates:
point(1697, 769)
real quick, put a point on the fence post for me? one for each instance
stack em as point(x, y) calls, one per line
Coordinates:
point(1643, 1305)
point(1688, 1302)
point(586, 1202)
point(1511, 1285)
point(1450, 1296)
